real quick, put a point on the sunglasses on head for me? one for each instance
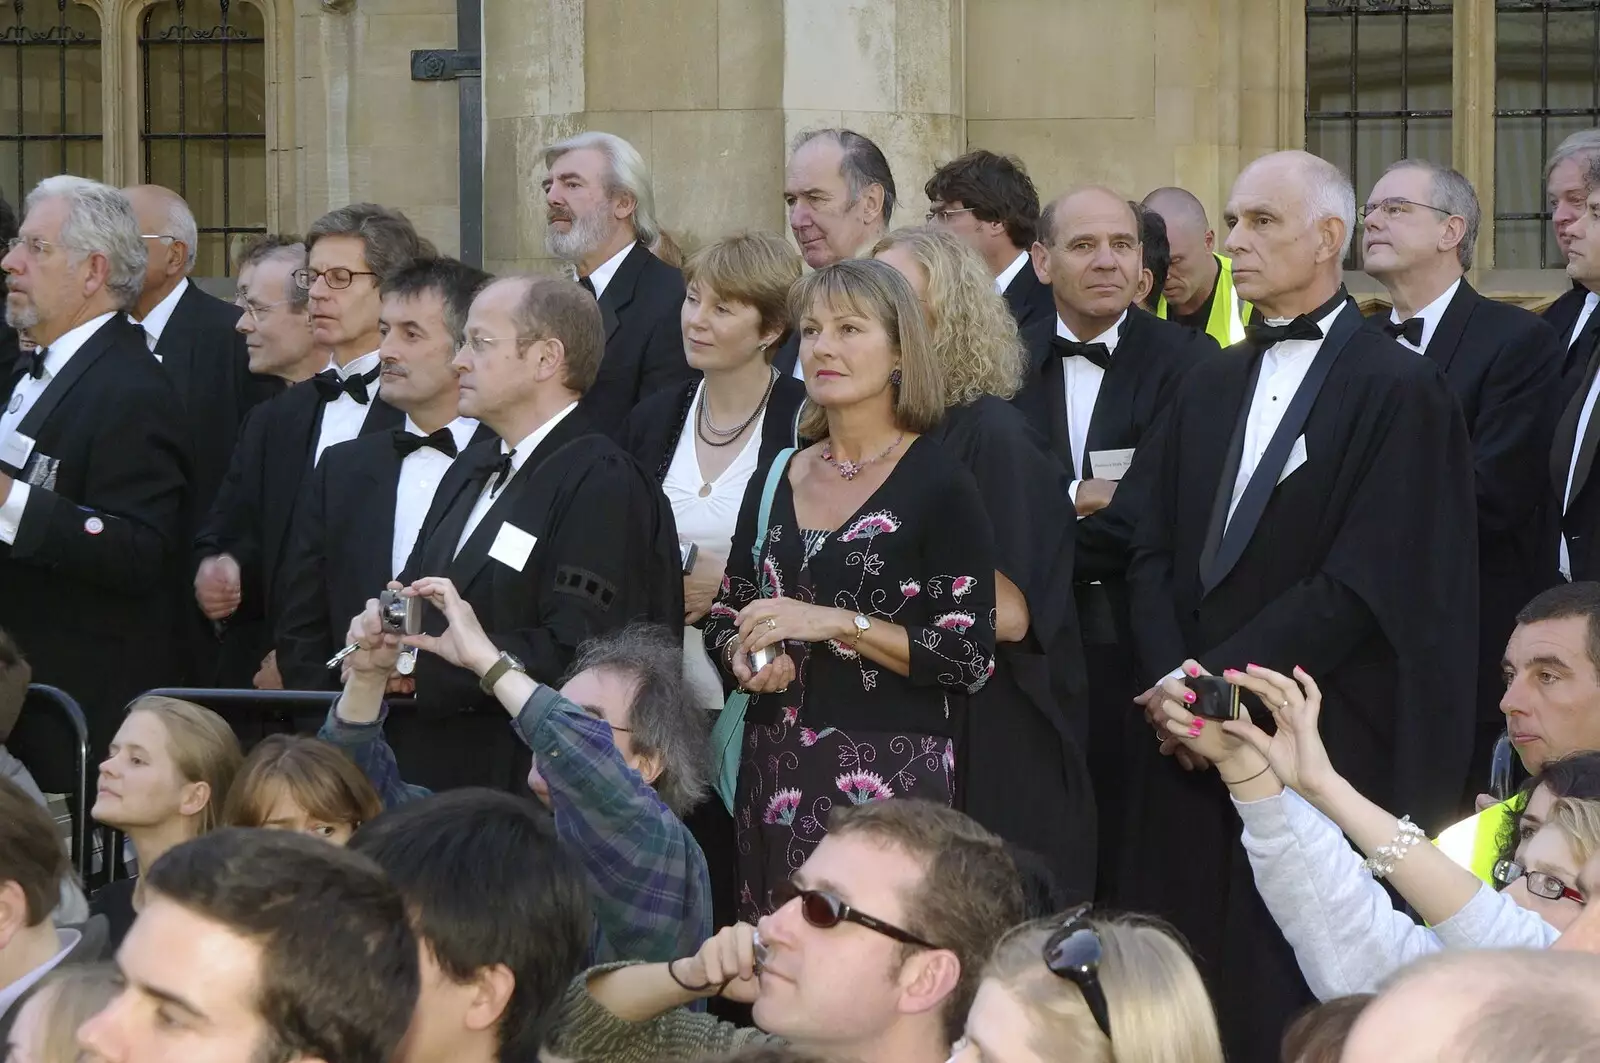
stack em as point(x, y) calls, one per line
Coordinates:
point(826, 911)
point(1073, 952)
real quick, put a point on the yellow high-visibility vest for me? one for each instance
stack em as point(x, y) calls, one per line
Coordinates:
point(1474, 843)
point(1228, 311)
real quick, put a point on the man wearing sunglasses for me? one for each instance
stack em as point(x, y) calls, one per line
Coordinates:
point(1418, 234)
point(873, 951)
point(241, 546)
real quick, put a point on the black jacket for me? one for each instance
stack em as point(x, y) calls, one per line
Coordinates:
point(1029, 298)
point(652, 431)
point(644, 343)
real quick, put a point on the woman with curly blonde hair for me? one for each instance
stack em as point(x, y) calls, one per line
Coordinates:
point(1027, 778)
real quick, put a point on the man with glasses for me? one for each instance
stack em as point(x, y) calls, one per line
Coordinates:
point(241, 546)
point(874, 951)
point(275, 318)
point(989, 201)
point(1419, 230)
point(551, 532)
point(93, 458)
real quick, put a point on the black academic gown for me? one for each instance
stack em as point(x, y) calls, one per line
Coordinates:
point(339, 554)
point(254, 511)
point(86, 588)
point(605, 554)
point(1361, 568)
point(1562, 315)
point(1024, 775)
point(1151, 358)
point(205, 358)
point(1579, 522)
point(644, 340)
point(1029, 299)
point(1504, 366)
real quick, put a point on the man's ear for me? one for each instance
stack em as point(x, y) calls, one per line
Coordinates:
point(492, 989)
point(927, 980)
point(13, 912)
point(1040, 256)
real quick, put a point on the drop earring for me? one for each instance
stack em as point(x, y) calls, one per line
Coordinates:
point(894, 377)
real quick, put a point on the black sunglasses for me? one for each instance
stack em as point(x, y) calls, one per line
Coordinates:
point(1073, 952)
point(825, 911)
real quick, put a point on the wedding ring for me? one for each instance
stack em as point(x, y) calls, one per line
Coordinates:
point(771, 621)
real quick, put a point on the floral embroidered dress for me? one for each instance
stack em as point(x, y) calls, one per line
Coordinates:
point(919, 553)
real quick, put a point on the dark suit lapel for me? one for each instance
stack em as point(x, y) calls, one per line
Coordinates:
point(1052, 377)
point(381, 417)
point(176, 346)
point(620, 290)
point(1452, 327)
point(97, 346)
point(452, 505)
point(1113, 404)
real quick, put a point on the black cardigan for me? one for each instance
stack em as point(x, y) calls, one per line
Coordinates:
point(652, 430)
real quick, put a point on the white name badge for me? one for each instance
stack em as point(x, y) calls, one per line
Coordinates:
point(15, 450)
point(512, 546)
point(1110, 464)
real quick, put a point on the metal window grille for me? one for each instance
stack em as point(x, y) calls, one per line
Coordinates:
point(50, 119)
point(203, 124)
point(1377, 85)
point(1547, 85)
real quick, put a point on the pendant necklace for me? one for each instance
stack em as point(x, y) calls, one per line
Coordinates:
point(851, 469)
point(705, 429)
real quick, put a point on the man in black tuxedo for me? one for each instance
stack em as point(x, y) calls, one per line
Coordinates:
point(240, 548)
point(551, 532)
point(363, 505)
point(1568, 183)
point(276, 318)
point(600, 219)
point(1311, 503)
point(93, 459)
point(1101, 373)
point(193, 336)
point(1504, 366)
point(989, 201)
point(1576, 490)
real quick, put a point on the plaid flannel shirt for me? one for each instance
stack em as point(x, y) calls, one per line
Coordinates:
point(648, 879)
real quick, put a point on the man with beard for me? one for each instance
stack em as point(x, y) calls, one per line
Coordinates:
point(601, 221)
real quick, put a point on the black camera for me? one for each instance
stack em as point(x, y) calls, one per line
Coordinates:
point(399, 614)
point(1214, 697)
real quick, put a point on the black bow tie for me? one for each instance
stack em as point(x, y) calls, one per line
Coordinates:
point(1097, 353)
point(1301, 328)
point(32, 363)
point(330, 385)
point(500, 468)
point(407, 443)
point(1409, 330)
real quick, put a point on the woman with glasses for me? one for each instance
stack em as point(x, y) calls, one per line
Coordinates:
point(1328, 901)
point(1091, 989)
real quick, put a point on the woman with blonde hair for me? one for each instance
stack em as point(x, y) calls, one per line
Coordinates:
point(1091, 989)
point(47, 1016)
point(865, 563)
point(1026, 777)
point(163, 782)
point(300, 783)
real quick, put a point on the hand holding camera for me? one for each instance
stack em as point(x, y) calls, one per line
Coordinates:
point(463, 642)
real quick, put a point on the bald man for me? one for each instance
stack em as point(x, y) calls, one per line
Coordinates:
point(192, 335)
point(1101, 373)
point(1310, 503)
point(1199, 291)
point(1484, 1006)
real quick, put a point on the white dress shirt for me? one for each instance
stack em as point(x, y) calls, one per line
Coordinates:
point(1589, 303)
point(420, 473)
point(155, 322)
point(601, 277)
point(1009, 274)
point(22, 399)
point(1430, 316)
point(1283, 369)
point(1083, 379)
point(519, 458)
point(343, 417)
point(67, 940)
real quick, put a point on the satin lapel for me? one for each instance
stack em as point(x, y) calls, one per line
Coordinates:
point(1052, 377)
point(376, 492)
point(452, 504)
point(1113, 404)
point(1452, 327)
point(1221, 446)
point(94, 348)
point(1566, 436)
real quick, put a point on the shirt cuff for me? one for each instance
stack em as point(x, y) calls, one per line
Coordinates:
point(1072, 494)
point(11, 512)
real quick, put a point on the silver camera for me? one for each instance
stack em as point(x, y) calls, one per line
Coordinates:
point(400, 615)
point(765, 656)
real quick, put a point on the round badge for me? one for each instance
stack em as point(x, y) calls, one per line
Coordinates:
point(94, 525)
point(406, 664)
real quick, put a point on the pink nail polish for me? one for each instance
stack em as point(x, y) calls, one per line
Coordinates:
point(1252, 664)
point(1194, 732)
point(1188, 695)
point(1199, 724)
point(1191, 670)
point(1229, 671)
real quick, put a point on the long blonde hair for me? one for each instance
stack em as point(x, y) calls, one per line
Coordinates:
point(1579, 820)
point(203, 749)
point(975, 339)
point(876, 290)
point(1157, 1004)
point(77, 993)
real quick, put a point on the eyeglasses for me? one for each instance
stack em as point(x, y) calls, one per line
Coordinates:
point(825, 911)
point(946, 214)
point(255, 310)
point(1539, 884)
point(338, 278)
point(35, 246)
point(1074, 952)
point(159, 236)
point(1395, 207)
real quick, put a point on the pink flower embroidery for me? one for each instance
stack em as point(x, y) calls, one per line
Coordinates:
point(862, 787)
point(910, 588)
point(782, 807)
point(774, 579)
point(791, 713)
point(961, 586)
point(726, 612)
point(881, 523)
point(957, 622)
point(808, 737)
point(949, 758)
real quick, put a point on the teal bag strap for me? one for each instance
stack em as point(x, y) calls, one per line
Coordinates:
point(727, 736)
